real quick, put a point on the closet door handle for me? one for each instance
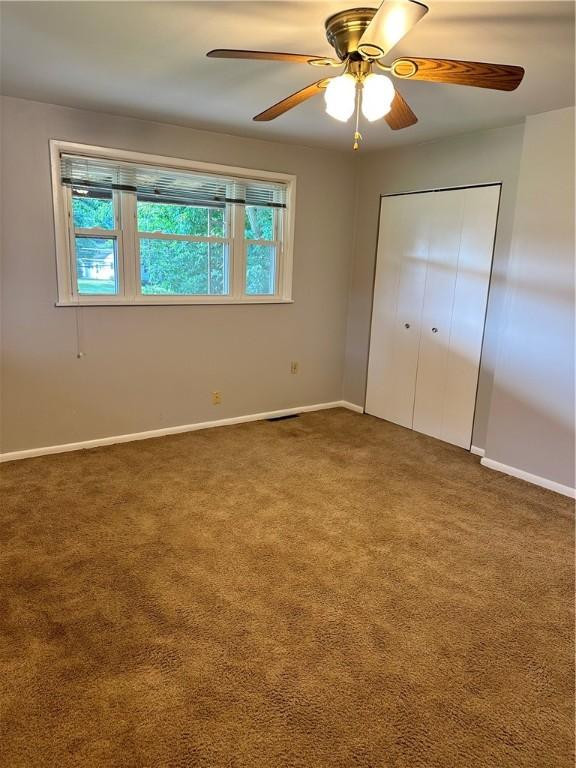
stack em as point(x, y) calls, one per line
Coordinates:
point(434, 330)
point(406, 325)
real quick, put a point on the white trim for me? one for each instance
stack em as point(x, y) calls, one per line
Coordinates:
point(287, 242)
point(65, 279)
point(216, 300)
point(445, 189)
point(236, 253)
point(98, 442)
point(164, 160)
point(144, 235)
point(477, 451)
point(352, 406)
point(551, 485)
point(128, 280)
point(130, 244)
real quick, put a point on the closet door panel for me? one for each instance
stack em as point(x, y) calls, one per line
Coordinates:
point(470, 299)
point(447, 210)
point(398, 297)
point(386, 282)
point(431, 287)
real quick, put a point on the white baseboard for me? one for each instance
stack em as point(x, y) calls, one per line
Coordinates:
point(551, 485)
point(98, 442)
point(477, 451)
point(352, 406)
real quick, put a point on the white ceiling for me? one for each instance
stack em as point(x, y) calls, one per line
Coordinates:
point(147, 59)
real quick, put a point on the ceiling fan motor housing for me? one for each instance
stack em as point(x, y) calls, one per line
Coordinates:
point(344, 30)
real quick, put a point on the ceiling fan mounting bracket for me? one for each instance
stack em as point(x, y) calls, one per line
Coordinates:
point(371, 51)
point(405, 68)
point(324, 63)
point(344, 30)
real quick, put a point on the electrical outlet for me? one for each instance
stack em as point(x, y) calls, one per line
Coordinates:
point(216, 398)
point(294, 366)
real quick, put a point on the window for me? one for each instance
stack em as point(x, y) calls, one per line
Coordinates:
point(95, 244)
point(184, 249)
point(141, 229)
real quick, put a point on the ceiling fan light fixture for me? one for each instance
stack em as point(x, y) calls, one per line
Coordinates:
point(340, 97)
point(377, 96)
point(362, 38)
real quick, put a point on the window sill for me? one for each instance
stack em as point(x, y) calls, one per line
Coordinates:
point(174, 302)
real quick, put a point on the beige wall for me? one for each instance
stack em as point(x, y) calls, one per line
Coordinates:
point(531, 425)
point(473, 158)
point(151, 367)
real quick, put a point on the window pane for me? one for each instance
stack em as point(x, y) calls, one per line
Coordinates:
point(96, 269)
point(94, 209)
point(259, 223)
point(173, 267)
point(216, 222)
point(261, 269)
point(217, 254)
point(178, 219)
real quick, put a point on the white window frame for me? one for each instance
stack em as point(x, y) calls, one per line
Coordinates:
point(127, 236)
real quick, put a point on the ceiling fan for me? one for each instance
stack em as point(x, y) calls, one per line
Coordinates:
point(361, 37)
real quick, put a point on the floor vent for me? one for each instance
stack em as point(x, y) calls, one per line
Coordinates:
point(283, 418)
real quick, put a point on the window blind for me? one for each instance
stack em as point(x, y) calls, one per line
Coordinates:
point(169, 184)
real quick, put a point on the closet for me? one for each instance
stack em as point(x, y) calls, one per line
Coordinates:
point(433, 269)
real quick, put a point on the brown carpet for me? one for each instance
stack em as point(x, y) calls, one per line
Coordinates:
point(328, 591)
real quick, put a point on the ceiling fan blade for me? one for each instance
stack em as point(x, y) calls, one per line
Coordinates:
point(298, 58)
point(400, 116)
point(500, 77)
point(291, 101)
point(393, 20)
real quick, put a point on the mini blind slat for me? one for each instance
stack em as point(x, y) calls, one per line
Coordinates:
point(169, 184)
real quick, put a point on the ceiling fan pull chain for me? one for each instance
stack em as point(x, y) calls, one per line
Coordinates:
point(357, 134)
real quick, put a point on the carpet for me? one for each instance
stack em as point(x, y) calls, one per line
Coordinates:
point(330, 591)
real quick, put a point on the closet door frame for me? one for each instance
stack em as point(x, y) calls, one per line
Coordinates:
point(420, 192)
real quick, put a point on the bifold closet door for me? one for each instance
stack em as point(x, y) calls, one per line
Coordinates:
point(431, 287)
point(398, 298)
point(457, 278)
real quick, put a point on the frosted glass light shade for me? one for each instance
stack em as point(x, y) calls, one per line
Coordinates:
point(340, 97)
point(377, 96)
